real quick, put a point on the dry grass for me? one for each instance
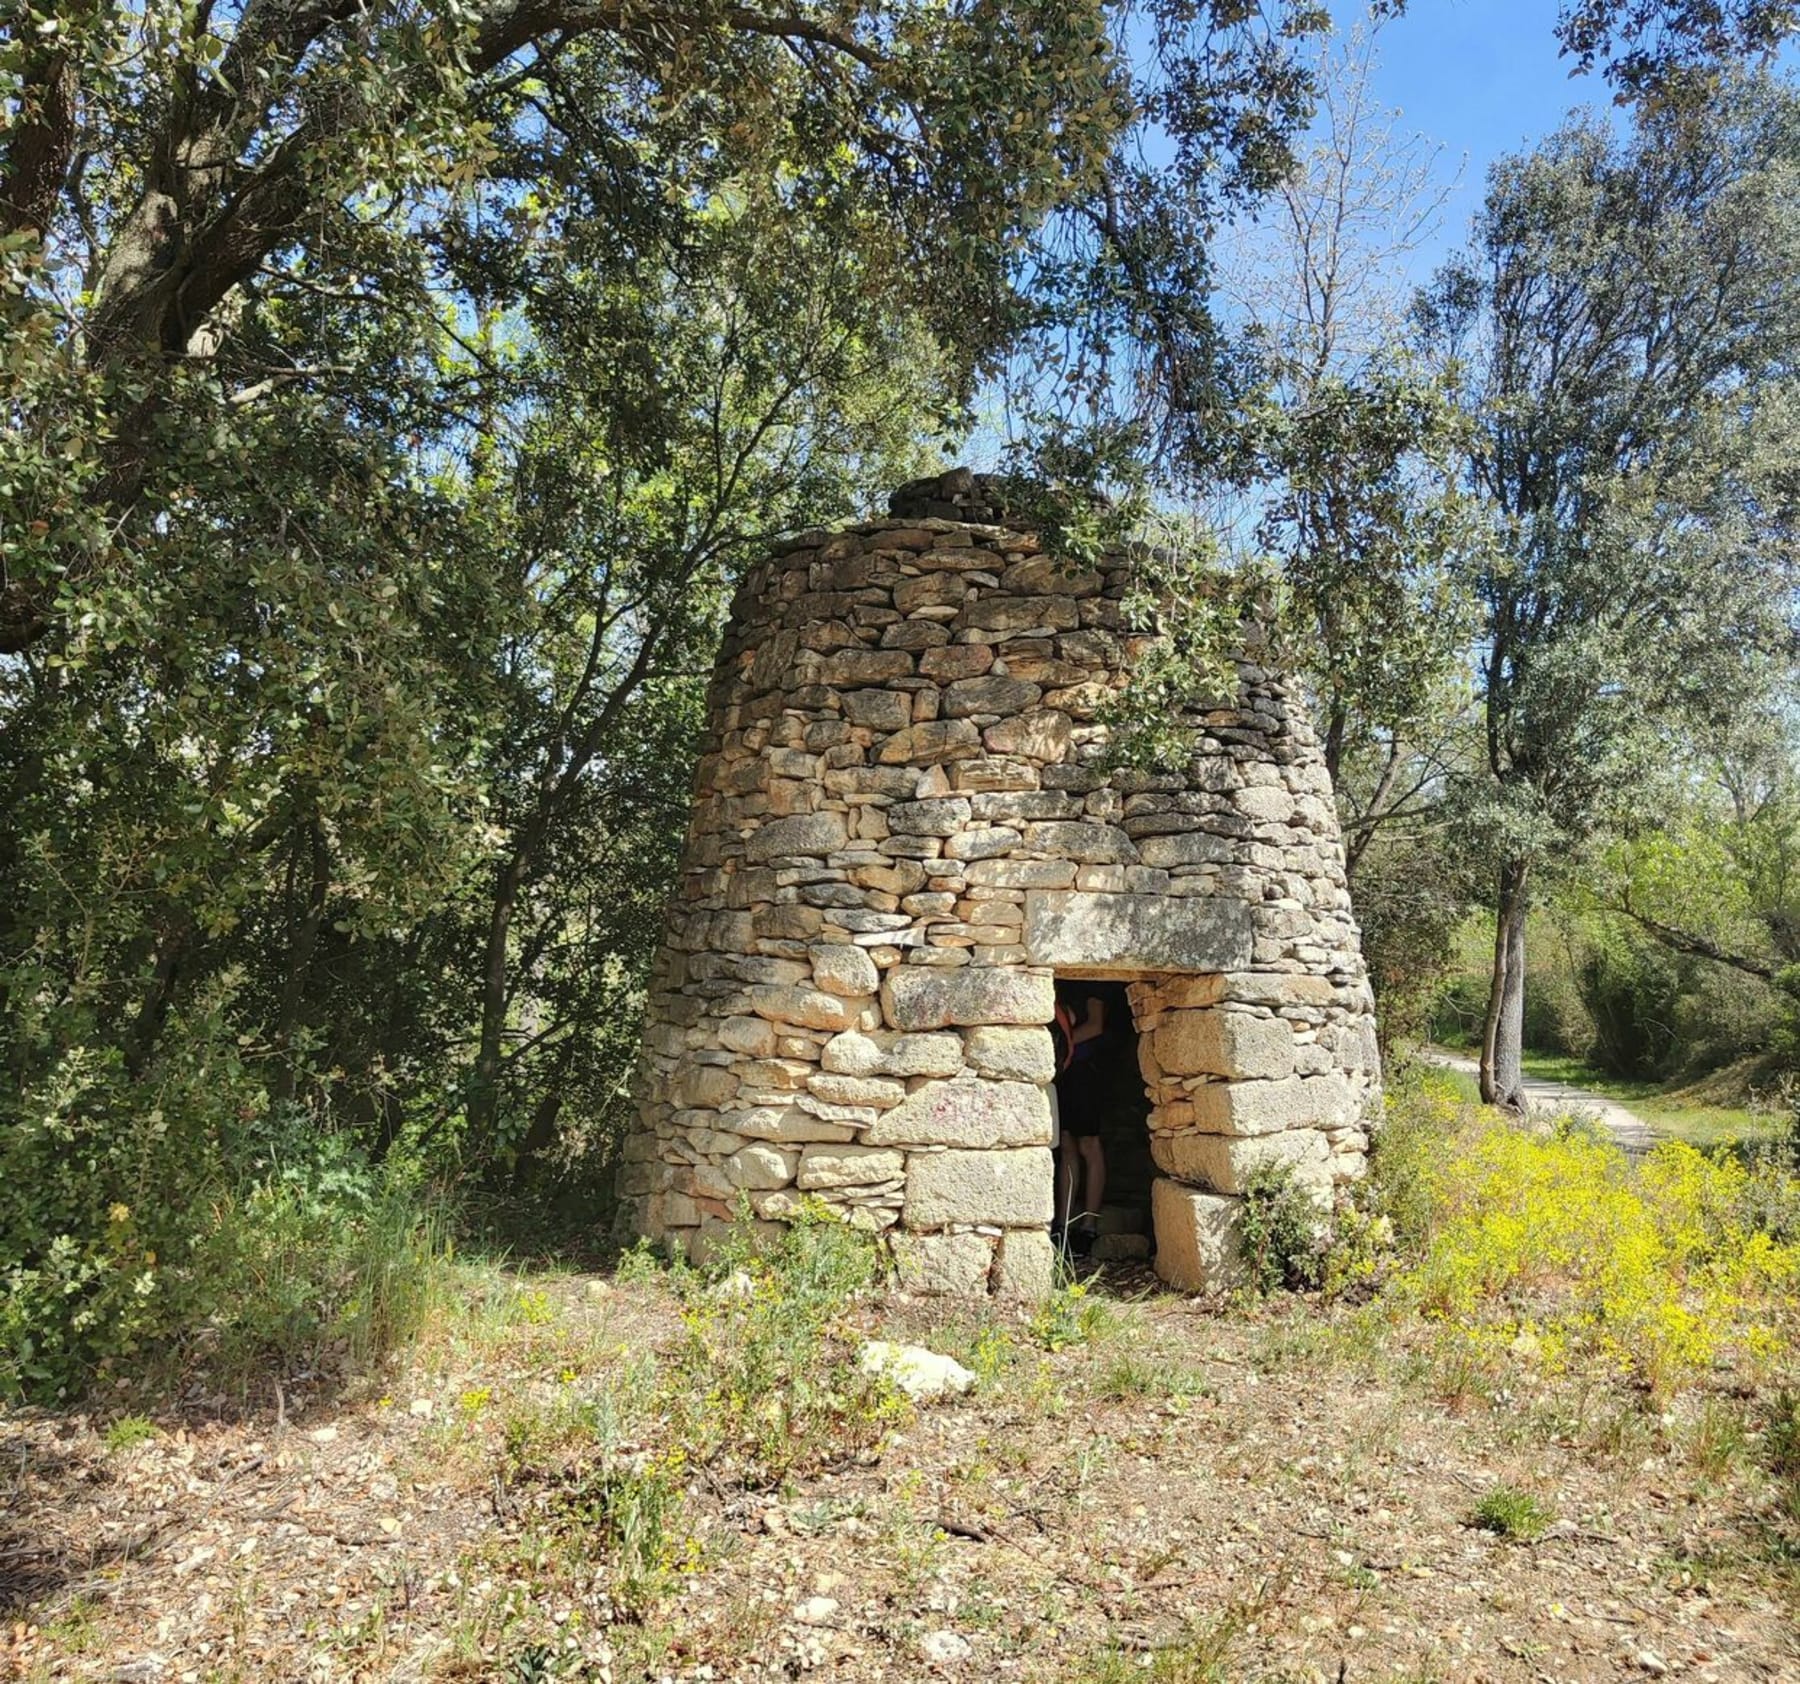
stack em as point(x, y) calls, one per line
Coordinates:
point(1275, 1492)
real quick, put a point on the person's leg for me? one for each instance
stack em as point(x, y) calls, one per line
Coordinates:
point(1093, 1179)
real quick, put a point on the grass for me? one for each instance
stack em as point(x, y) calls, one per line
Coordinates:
point(1466, 1087)
point(1669, 1115)
point(1201, 1655)
point(678, 1462)
point(1512, 1513)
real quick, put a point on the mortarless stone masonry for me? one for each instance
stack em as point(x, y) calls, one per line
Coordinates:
point(902, 832)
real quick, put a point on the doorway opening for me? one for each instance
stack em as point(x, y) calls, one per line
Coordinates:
point(1104, 1122)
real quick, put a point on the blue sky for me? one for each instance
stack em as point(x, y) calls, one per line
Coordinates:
point(1480, 78)
point(1484, 78)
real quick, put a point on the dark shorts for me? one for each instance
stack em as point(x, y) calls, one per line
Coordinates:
point(1078, 1102)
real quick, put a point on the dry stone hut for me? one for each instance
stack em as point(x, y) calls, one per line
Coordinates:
point(904, 832)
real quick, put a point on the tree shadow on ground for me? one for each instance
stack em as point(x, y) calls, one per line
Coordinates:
point(39, 1474)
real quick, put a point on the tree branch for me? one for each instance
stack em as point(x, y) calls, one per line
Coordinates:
point(1685, 941)
point(35, 161)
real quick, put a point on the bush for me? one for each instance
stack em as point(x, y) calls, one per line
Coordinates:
point(1723, 1015)
point(1411, 905)
point(1632, 995)
point(1422, 1111)
point(96, 1240)
point(1286, 1235)
point(196, 1234)
point(1557, 1248)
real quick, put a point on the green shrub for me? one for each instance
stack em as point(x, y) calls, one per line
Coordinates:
point(764, 1381)
point(1421, 1113)
point(1631, 993)
point(99, 1196)
point(1286, 1236)
point(1201, 1653)
point(1140, 1377)
point(1412, 905)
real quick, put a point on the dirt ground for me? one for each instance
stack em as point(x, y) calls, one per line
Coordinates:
point(1184, 1495)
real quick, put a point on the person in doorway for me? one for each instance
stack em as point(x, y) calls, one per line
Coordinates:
point(1079, 1029)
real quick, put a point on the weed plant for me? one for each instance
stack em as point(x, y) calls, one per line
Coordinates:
point(128, 1430)
point(301, 1251)
point(1512, 1513)
point(761, 1387)
point(1070, 1316)
point(764, 1382)
point(1286, 1236)
point(632, 1513)
point(1781, 1461)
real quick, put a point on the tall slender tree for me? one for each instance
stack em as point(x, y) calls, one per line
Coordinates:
point(1354, 497)
point(1624, 330)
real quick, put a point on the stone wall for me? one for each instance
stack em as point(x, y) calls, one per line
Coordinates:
point(903, 829)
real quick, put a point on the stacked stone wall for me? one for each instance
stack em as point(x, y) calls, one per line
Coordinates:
point(904, 828)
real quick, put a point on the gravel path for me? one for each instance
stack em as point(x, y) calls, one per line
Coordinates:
point(1628, 1130)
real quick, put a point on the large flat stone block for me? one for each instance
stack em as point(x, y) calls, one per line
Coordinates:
point(1007, 1188)
point(1226, 1162)
point(931, 743)
point(1136, 932)
point(918, 997)
point(943, 1263)
point(846, 971)
point(1251, 988)
point(784, 1124)
point(1210, 1042)
point(1269, 1107)
point(1199, 1238)
point(1020, 1055)
point(971, 1112)
point(1026, 1266)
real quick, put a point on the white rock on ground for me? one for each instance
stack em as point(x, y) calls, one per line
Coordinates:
point(923, 1375)
point(944, 1647)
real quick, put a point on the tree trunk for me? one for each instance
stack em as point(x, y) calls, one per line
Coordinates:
point(153, 1012)
point(302, 945)
point(1336, 723)
point(484, 1090)
point(1503, 1034)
